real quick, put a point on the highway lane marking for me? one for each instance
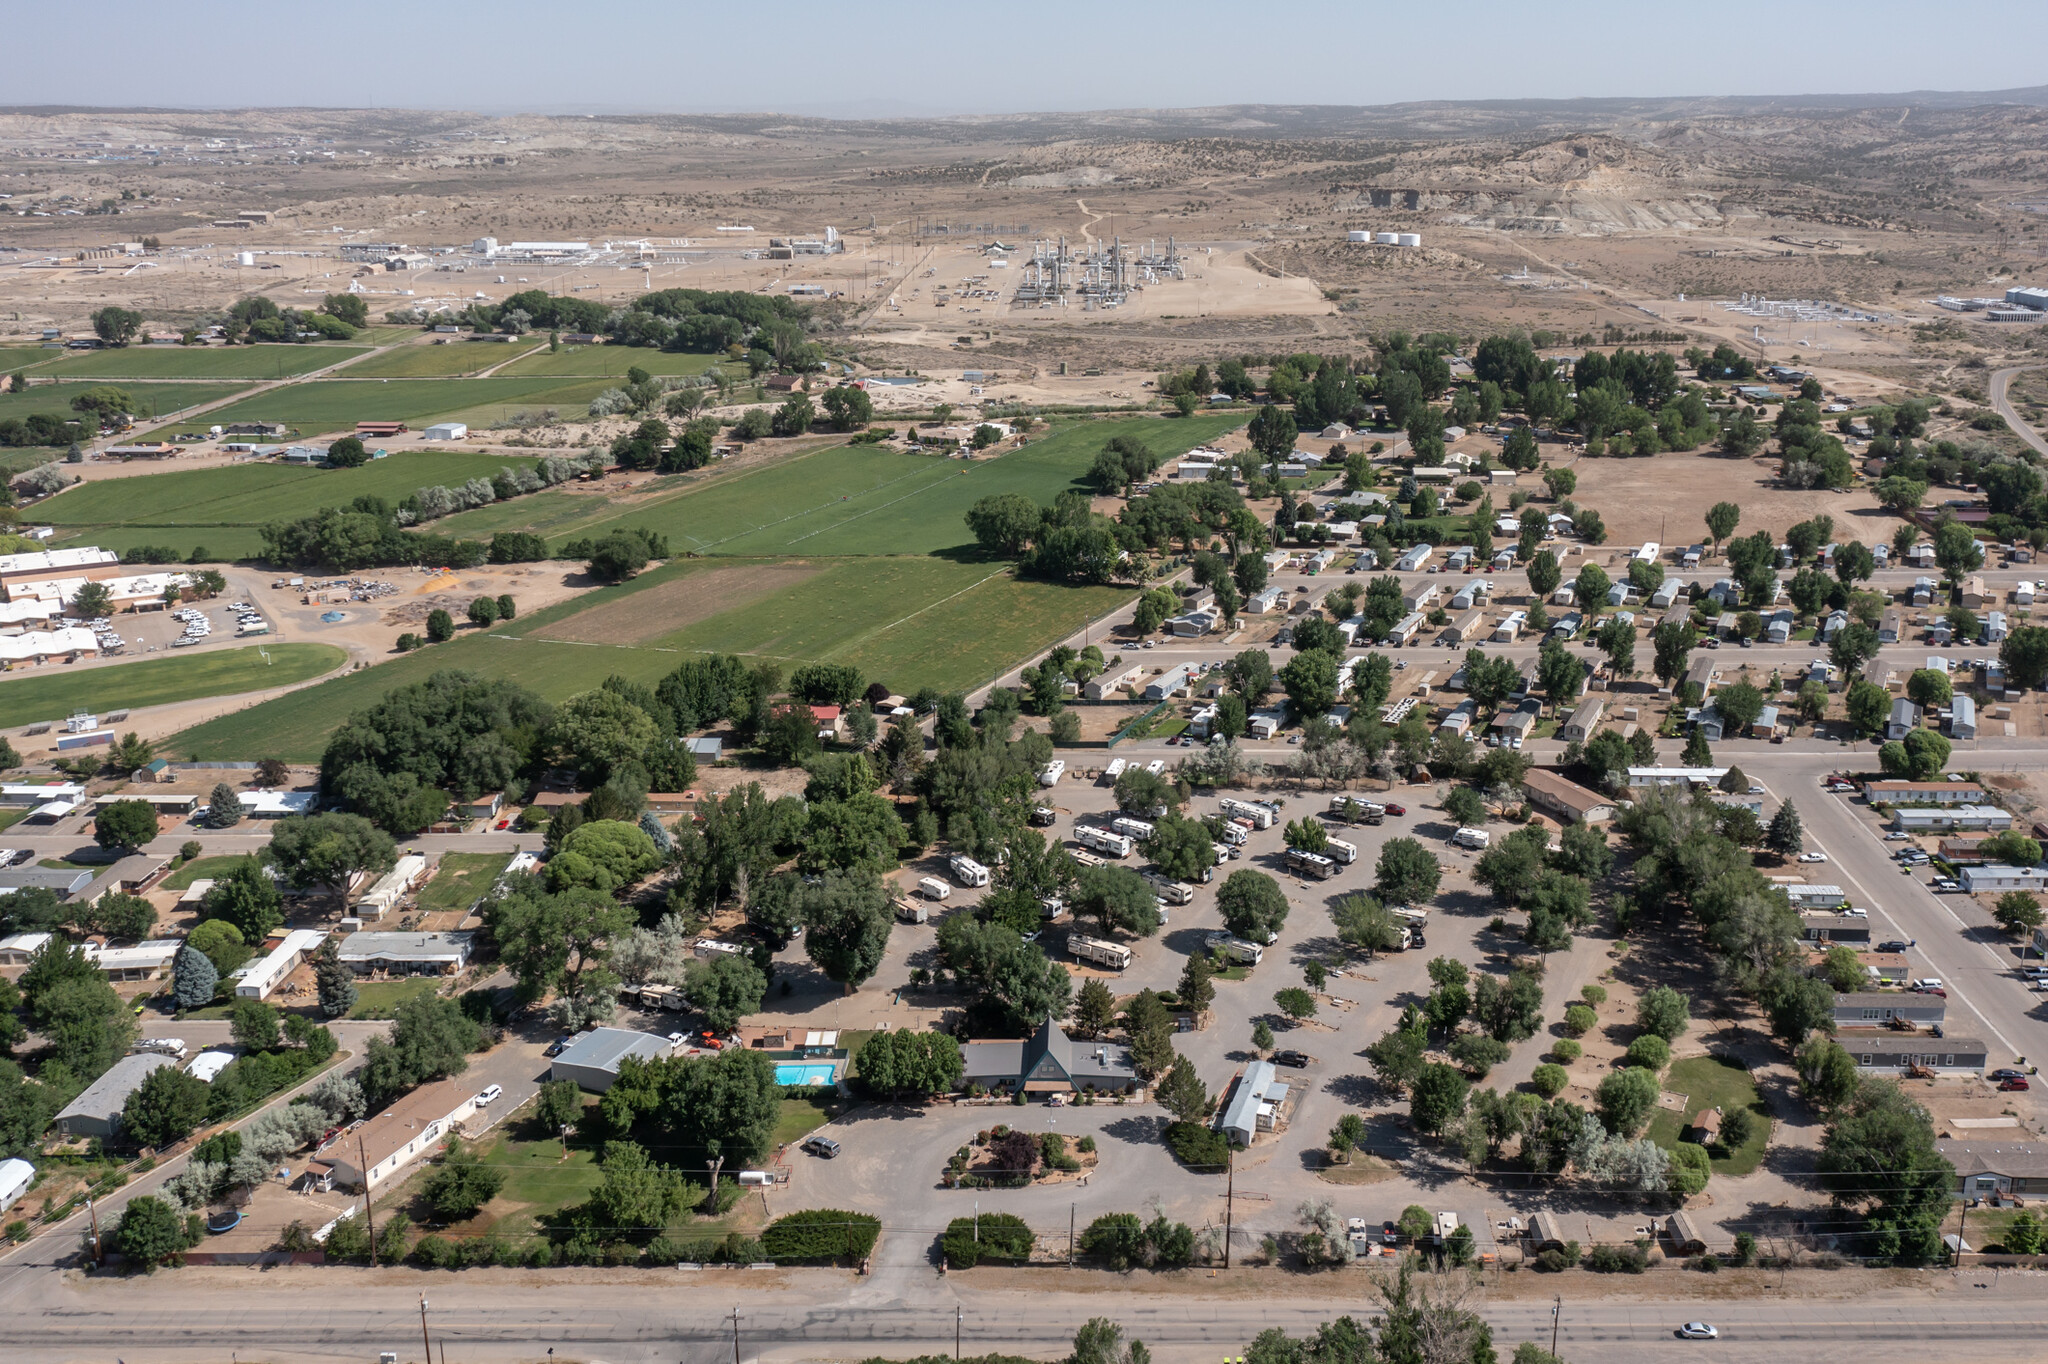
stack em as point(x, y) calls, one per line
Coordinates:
point(1901, 932)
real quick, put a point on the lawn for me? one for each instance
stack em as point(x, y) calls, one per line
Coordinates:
point(338, 404)
point(610, 362)
point(162, 400)
point(910, 622)
point(460, 879)
point(841, 500)
point(425, 359)
point(800, 1118)
point(381, 998)
point(200, 869)
point(1710, 1082)
point(200, 362)
point(10, 818)
point(51, 693)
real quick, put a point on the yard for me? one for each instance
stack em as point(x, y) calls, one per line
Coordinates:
point(381, 998)
point(55, 691)
point(459, 880)
point(200, 869)
point(610, 362)
point(1710, 1082)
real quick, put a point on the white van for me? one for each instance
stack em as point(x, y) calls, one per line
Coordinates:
point(1473, 838)
point(162, 1046)
point(932, 888)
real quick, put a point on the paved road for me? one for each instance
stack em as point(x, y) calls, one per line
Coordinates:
point(2000, 404)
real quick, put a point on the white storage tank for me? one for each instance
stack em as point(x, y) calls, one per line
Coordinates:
point(1385, 239)
point(1408, 239)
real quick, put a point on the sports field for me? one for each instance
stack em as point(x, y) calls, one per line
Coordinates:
point(842, 500)
point(161, 399)
point(425, 359)
point(612, 362)
point(53, 692)
point(910, 622)
point(338, 404)
point(200, 362)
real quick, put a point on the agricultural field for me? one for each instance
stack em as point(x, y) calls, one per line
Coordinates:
point(338, 404)
point(909, 621)
point(425, 359)
point(154, 400)
point(223, 508)
point(611, 362)
point(51, 693)
point(198, 362)
point(838, 501)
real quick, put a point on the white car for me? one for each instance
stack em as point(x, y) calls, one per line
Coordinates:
point(1897, 836)
point(1756, 788)
point(490, 1096)
point(1813, 857)
point(1698, 1330)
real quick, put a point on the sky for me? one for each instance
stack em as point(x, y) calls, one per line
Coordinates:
point(886, 58)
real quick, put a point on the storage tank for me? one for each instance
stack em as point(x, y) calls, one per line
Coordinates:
point(1358, 236)
point(245, 258)
point(1408, 239)
point(1385, 239)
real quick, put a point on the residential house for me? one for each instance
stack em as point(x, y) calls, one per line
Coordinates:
point(97, 1112)
point(1585, 721)
point(406, 954)
point(593, 1059)
point(1923, 792)
point(1898, 1050)
point(1997, 878)
point(1931, 819)
point(411, 1128)
point(1962, 718)
point(1877, 1009)
point(1996, 1169)
point(1815, 897)
point(1890, 624)
point(1905, 718)
point(144, 961)
point(1849, 929)
point(1975, 598)
point(17, 949)
point(1049, 1062)
point(1675, 776)
point(1254, 1105)
point(1567, 800)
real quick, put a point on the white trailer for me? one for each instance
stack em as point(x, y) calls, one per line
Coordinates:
point(1337, 850)
point(1357, 809)
point(1113, 771)
point(912, 912)
point(1171, 891)
point(1083, 858)
point(1052, 772)
point(1261, 816)
point(1156, 767)
point(1136, 830)
point(967, 871)
point(932, 888)
point(1111, 954)
point(1473, 838)
point(1102, 841)
point(1237, 949)
point(1235, 835)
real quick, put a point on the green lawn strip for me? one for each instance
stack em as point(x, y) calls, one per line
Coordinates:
point(426, 360)
point(256, 494)
point(10, 818)
point(799, 1118)
point(460, 879)
point(1709, 1082)
point(609, 362)
point(201, 362)
point(158, 681)
point(381, 998)
point(338, 404)
point(200, 869)
point(153, 402)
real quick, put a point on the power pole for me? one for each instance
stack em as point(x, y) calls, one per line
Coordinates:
point(1229, 1204)
point(1556, 1304)
point(957, 1314)
point(99, 1252)
point(425, 1344)
point(363, 1164)
point(1070, 1234)
point(735, 1335)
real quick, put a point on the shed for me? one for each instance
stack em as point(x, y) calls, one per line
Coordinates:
point(593, 1059)
point(446, 431)
point(1542, 1234)
point(1680, 1235)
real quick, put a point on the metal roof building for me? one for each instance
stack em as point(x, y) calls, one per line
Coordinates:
point(592, 1060)
point(97, 1112)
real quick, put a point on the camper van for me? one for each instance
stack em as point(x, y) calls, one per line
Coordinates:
point(1473, 838)
point(932, 888)
point(1102, 841)
point(967, 871)
point(1235, 835)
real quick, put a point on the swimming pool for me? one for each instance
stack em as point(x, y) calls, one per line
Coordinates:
point(798, 1073)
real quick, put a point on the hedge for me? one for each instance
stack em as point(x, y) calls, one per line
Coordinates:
point(1198, 1147)
point(820, 1235)
point(999, 1237)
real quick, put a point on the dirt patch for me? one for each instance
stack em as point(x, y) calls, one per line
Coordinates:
point(678, 603)
point(1663, 498)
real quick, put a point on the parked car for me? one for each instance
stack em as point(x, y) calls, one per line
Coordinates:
point(1813, 857)
point(1397, 809)
point(556, 1047)
point(1896, 835)
point(1894, 945)
point(823, 1147)
point(491, 1094)
point(2014, 1082)
point(2008, 1073)
point(1295, 1059)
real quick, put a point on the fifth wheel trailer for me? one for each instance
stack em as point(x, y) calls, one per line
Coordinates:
point(1113, 955)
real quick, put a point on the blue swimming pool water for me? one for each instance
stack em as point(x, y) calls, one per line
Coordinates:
point(797, 1073)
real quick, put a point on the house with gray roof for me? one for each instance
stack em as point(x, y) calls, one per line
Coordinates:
point(1988, 1168)
point(97, 1112)
point(1049, 1062)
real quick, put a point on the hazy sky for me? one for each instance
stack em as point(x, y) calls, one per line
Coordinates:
point(923, 57)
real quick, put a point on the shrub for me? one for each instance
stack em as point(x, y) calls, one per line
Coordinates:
point(1593, 994)
point(1649, 1051)
point(1198, 1147)
point(994, 1236)
point(1118, 1238)
point(1549, 1080)
point(1617, 1260)
point(1706, 1264)
point(820, 1235)
point(1566, 1050)
point(1579, 1020)
point(1478, 1053)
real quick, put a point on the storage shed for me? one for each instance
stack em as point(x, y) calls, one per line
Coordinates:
point(593, 1059)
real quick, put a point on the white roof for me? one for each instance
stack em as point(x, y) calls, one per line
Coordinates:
point(24, 942)
point(37, 643)
point(154, 952)
point(208, 1064)
point(57, 560)
point(15, 612)
point(278, 802)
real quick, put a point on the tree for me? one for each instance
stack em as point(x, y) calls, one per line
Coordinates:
point(92, 601)
point(220, 942)
point(1407, 873)
point(2025, 655)
point(223, 807)
point(125, 825)
point(1590, 587)
point(1740, 704)
point(1295, 1002)
point(1785, 836)
point(2024, 1234)
point(1879, 1156)
point(116, 326)
point(1465, 806)
point(431, 1038)
point(794, 417)
point(1828, 1076)
point(1181, 848)
point(849, 408)
point(1272, 432)
point(165, 1108)
point(724, 990)
point(1544, 575)
point(911, 1064)
point(1663, 1011)
point(1928, 687)
point(334, 981)
point(253, 1024)
point(550, 940)
point(1624, 1100)
point(246, 899)
point(483, 611)
point(348, 453)
point(1310, 681)
point(1149, 1029)
point(603, 856)
point(330, 850)
point(847, 923)
point(1252, 905)
point(151, 1231)
point(461, 1184)
point(2017, 912)
point(1722, 518)
point(1181, 1092)
point(1437, 1098)
point(1798, 1005)
point(1005, 523)
point(1094, 1008)
point(193, 978)
point(1867, 705)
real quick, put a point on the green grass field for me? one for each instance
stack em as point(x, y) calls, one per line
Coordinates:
point(338, 404)
point(54, 692)
point(381, 998)
point(425, 359)
point(460, 879)
point(1708, 1082)
point(842, 500)
point(612, 362)
point(200, 362)
point(161, 399)
point(200, 869)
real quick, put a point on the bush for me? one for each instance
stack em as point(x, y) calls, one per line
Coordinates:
point(1118, 1238)
point(1593, 994)
point(1549, 1080)
point(1617, 1259)
point(820, 1235)
point(1478, 1053)
point(1566, 1050)
point(999, 1237)
point(1198, 1147)
point(1649, 1051)
point(1579, 1020)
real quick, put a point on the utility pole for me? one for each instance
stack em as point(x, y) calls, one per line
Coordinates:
point(1071, 1208)
point(957, 1314)
point(426, 1344)
point(99, 1252)
point(735, 1335)
point(363, 1164)
point(1556, 1304)
point(1229, 1204)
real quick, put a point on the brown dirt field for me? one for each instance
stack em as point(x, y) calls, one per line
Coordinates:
point(673, 605)
point(1665, 498)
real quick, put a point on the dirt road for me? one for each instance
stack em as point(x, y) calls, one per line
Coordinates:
point(2000, 381)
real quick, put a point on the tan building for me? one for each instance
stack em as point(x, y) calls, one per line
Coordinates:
point(1568, 801)
point(414, 1126)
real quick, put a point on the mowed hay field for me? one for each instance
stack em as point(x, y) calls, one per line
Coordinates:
point(52, 692)
point(610, 362)
point(161, 399)
point(338, 404)
point(424, 359)
point(842, 500)
point(194, 507)
point(910, 622)
point(197, 362)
